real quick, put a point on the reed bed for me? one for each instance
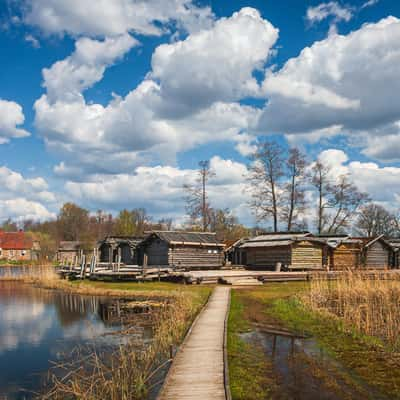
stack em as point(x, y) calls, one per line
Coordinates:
point(130, 371)
point(29, 274)
point(371, 304)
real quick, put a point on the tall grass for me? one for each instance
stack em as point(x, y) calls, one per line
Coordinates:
point(29, 274)
point(130, 371)
point(371, 304)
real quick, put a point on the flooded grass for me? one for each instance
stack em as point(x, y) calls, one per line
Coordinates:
point(133, 369)
point(331, 362)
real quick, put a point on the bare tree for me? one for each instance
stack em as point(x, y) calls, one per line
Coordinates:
point(374, 220)
point(265, 177)
point(197, 205)
point(226, 225)
point(320, 180)
point(294, 188)
point(345, 201)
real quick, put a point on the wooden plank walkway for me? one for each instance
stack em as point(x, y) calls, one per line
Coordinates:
point(197, 372)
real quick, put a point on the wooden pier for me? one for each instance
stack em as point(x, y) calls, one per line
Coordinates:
point(82, 269)
point(198, 371)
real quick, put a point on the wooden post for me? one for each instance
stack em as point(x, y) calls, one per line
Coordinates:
point(274, 347)
point(83, 267)
point(110, 255)
point(119, 258)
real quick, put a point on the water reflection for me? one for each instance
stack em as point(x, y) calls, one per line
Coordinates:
point(305, 372)
point(39, 325)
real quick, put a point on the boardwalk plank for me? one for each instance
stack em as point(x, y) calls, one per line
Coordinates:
point(197, 372)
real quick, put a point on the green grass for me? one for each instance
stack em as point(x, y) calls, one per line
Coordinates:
point(248, 368)
point(198, 293)
point(364, 358)
point(141, 286)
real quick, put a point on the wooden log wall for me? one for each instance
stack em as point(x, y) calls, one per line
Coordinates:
point(345, 257)
point(268, 257)
point(195, 257)
point(307, 255)
point(377, 256)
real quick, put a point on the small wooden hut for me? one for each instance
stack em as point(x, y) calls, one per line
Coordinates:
point(125, 247)
point(183, 250)
point(68, 251)
point(297, 251)
point(342, 252)
point(377, 254)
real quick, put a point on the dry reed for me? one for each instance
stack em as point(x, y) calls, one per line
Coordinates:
point(29, 274)
point(369, 303)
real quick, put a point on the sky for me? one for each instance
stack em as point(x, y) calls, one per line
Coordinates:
point(111, 104)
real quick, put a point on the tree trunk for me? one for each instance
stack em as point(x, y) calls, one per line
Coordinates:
point(204, 203)
point(274, 207)
point(291, 207)
point(320, 210)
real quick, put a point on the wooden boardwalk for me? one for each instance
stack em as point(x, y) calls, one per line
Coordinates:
point(197, 372)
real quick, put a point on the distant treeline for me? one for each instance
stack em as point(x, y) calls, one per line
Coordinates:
point(287, 192)
point(74, 223)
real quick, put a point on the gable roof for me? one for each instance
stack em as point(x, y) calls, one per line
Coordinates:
point(288, 240)
point(280, 236)
point(235, 244)
point(395, 243)
point(133, 241)
point(189, 238)
point(380, 238)
point(69, 245)
point(15, 241)
point(273, 243)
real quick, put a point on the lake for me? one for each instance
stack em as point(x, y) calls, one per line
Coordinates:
point(38, 326)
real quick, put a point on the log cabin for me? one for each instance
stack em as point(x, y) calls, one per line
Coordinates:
point(342, 252)
point(346, 255)
point(377, 254)
point(125, 247)
point(68, 251)
point(182, 250)
point(293, 251)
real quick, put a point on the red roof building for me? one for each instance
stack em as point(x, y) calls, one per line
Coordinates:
point(16, 246)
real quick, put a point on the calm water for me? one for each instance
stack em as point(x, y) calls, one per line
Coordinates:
point(39, 326)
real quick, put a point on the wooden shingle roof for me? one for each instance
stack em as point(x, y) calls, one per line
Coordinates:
point(192, 238)
point(280, 236)
point(69, 245)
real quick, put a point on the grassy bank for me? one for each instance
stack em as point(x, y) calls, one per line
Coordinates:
point(46, 277)
point(366, 367)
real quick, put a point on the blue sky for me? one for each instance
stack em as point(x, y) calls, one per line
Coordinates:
point(112, 105)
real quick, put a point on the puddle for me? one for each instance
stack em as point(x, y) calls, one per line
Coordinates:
point(305, 372)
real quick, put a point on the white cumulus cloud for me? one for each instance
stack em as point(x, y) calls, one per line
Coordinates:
point(115, 17)
point(189, 98)
point(351, 81)
point(11, 116)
